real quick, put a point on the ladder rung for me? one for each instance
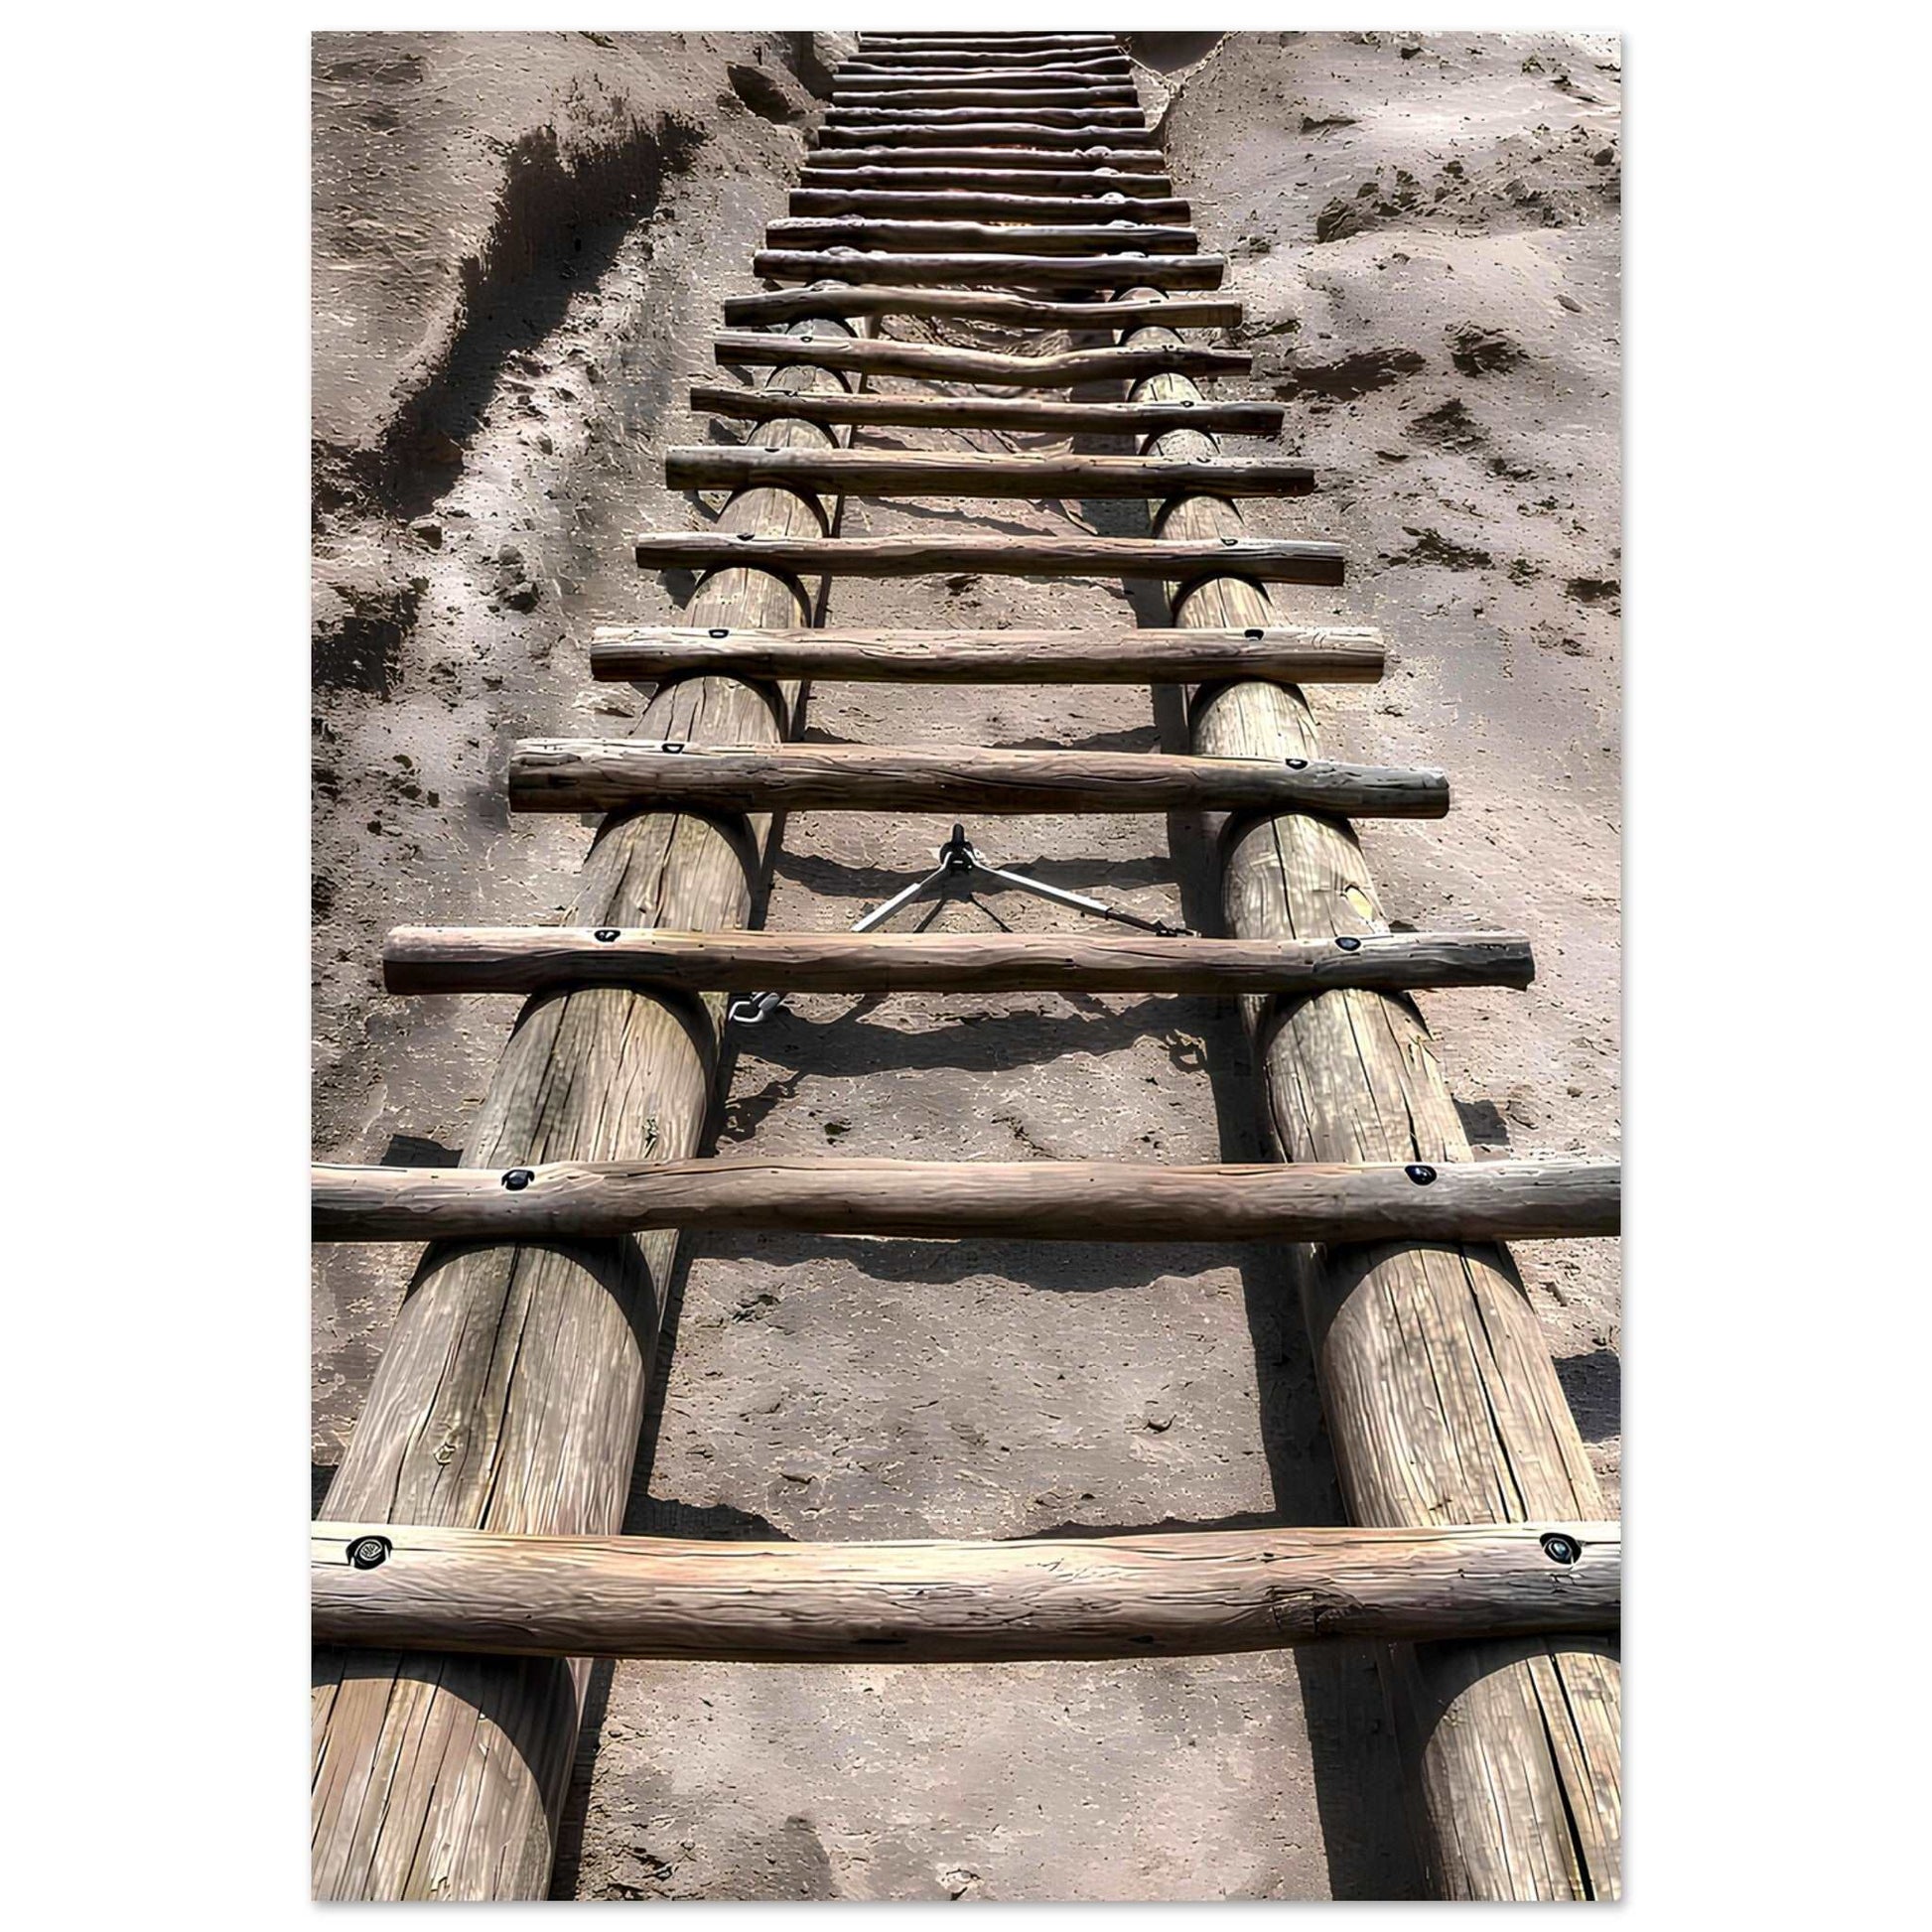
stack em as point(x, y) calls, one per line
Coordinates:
point(1286, 655)
point(941, 205)
point(986, 46)
point(589, 774)
point(1019, 136)
point(1124, 270)
point(1170, 1594)
point(1098, 162)
point(1105, 121)
point(975, 238)
point(1029, 95)
point(985, 305)
point(533, 959)
point(941, 361)
point(946, 473)
point(988, 67)
point(990, 412)
point(1269, 560)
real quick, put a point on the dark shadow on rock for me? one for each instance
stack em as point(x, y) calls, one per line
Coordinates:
point(1593, 1386)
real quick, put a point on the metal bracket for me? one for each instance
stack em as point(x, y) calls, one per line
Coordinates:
point(959, 858)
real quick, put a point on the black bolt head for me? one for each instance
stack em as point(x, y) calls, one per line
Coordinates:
point(605, 933)
point(1420, 1172)
point(518, 1179)
point(1253, 632)
point(370, 1552)
point(1349, 942)
point(1562, 1549)
point(720, 631)
point(1296, 764)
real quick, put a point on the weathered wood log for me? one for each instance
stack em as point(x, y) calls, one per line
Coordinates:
point(534, 959)
point(1098, 162)
point(1298, 653)
point(1278, 560)
point(942, 205)
point(1440, 1399)
point(982, 67)
point(1035, 271)
point(985, 46)
point(972, 65)
point(940, 361)
point(511, 1391)
point(946, 473)
point(1192, 1594)
point(941, 1200)
point(587, 775)
point(1062, 93)
point(979, 305)
point(1081, 120)
point(1017, 137)
point(1016, 413)
point(970, 237)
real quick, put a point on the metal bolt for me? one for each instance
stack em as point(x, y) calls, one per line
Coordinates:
point(518, 1179)
point(671, 746)
point(1296, 764)
point(745, 536)
point(604, 935)
point(719, 630)
point(1230, 541)
point(1420, 1172)
point(1349, 942)
point(370, 1552)
point(1562, 1549)
point(1255, 632)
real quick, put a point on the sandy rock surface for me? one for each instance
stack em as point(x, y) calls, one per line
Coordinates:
point(1425, 233)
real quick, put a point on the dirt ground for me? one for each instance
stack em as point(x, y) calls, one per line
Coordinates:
point(523, 243)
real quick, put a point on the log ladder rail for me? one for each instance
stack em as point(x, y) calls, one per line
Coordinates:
point(468, 1564)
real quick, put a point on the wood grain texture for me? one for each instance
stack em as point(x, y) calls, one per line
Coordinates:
point(1281, 560)
point(1095, 161)
point(1440, 1399)
point(1063, 93)
point(511, 1389)
point(1303, 654)
point(1187, 1594)
point(956, 238)
point(968, 474)
point(996, 412)
point(984, 47)
point(565, 775)
point(904, 132)
point(531, 959)
point(941, 362)
point(1022, 271)
point(941, 1200)
point(1088, 118)
point(958, 204)
point(982, 66)
point(978, 305)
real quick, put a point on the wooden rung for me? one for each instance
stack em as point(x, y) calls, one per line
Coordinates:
point(1268, 560)
point(957, 238)
point(1087, 189)
point(1100, 163)
point(533, 959)
point(1062, 94)
point(1017, 413)
point(1026, 1201)
point(986, 46)
point(1288, 654)
point(1019, 136)
point(1083, 121)
point(982, 305)
point(1068, 60)
point(1124, 270)
point(965, 472)
point(587, 774)
point(1174, 1594)
point(941, 362)
point(957, 204)
point(1112, 87)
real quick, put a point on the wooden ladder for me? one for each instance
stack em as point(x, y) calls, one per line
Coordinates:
point(468, 1564)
